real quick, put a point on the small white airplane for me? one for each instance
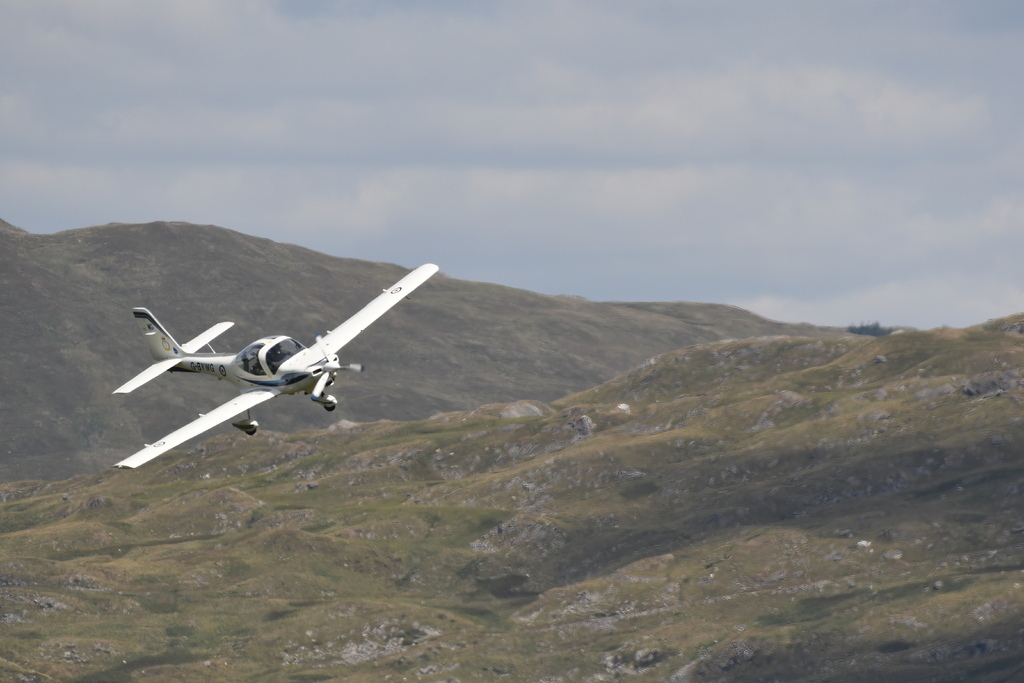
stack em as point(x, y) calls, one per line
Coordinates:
point(268, 367)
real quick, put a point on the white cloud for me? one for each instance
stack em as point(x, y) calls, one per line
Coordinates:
point(369, 207)
point(16, 114)
point(951, 299)
point(860, 103)
point(994, 228)
point(34, 181)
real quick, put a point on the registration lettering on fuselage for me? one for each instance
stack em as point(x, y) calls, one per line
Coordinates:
point(203, 367)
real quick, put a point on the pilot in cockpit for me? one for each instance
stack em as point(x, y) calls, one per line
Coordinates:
point(249, 359)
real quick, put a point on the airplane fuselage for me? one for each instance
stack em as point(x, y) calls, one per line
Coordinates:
point(261, 365)
point(213, 364)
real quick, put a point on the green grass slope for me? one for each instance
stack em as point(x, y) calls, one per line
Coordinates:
point(777, 509)
point(68, 338)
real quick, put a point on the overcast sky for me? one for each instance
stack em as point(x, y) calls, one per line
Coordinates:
point(830, 162)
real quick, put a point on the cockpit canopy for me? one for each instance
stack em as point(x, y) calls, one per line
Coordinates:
point(279, 352)
point(265, 356)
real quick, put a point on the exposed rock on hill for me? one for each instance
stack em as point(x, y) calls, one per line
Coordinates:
point(1013, 324)
point(992, 382)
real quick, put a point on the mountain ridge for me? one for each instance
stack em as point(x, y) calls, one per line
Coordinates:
point(68, 338)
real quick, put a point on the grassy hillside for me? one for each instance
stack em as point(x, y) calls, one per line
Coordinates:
point(68, 337)
point(778, 509)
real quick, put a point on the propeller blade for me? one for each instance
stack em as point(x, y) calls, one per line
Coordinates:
point(332, 364)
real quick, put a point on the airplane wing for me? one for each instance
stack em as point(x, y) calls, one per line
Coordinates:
point(332, 342)
point(344, 333)
point(222, 414)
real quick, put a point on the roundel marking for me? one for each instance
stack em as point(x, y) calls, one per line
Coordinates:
point(158, 444)
point(396, 290)
point(223, 371)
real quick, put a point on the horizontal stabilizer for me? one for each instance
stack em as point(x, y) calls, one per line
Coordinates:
point(205, 338)
point(152, 372)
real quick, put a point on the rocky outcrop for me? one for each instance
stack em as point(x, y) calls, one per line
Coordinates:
point(994, 382)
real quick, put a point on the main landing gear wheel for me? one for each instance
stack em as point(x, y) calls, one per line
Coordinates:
point(328, 402)
point(249, 426)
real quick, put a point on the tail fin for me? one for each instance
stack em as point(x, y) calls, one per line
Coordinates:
point(161, 344)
